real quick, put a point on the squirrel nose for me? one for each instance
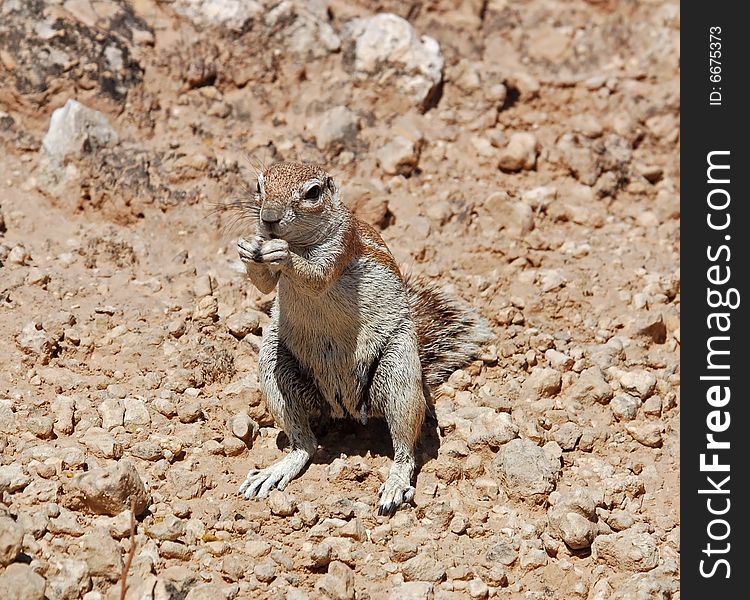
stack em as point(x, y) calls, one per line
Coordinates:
point(270, 215)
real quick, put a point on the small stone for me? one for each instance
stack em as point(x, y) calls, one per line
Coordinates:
point(136, 413)
point(652, 328)
point(627, 550)
point(335, 129)
point(652, 406)
point(109, 491)
point(543, 382)
point(206, 309)
point(515, 216)
point(8, 422)
point(177, 550)
point(648, 433)
point(241, 324)
point(244, 428)
point(520, 153)
point(478, 589)
point(101, 443)
point(189, 411)
point(386, 48)
point(399, 156)
point(102, 555)
point(282, 504)
point(203, 286)
point(402, 548)
point(11, 540)
point(188, 484)
point(206, 591)
point(168, 527)
point(567, 435)
point(63, 408)
point(232, 446)
point(459, 524)
point(558, 360)
point(20, 582)
point(112, 413)
point(13, 478)
point(573, 519)
point(165, 407)
point(503, 553)
point(338, 583)
point(590, 387)
point(40, 426)
point(265, 571)
point(67, 578)
point(641, 382)
point(525, 470)
point(413, 590)
point(147, 450)
point(18, 255)
point(423, 568)
point(625, 407)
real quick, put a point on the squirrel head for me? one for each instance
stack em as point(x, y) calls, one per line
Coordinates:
point(298, 203)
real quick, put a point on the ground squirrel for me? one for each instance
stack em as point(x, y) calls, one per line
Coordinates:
point(349, 335)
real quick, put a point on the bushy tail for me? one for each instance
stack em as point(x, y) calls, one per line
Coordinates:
point(450, 336)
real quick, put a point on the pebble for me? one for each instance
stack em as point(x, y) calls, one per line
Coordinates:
point(567, 435)
point(503, 553)
point(13, 478)
point(282, 504)
point(112, 413)
point(8, 422)
point(413, 590)
point(648, 433)
point(63, 408)
point(20, 582)
point(335, 129)
point(402, 548)
point(543, 382)
point(265, 571)
point(177, 550)
point(109, 491)
point(11, 540)
point(189, 484)
point(189, 411)
point(525, 470)
point(67, 578)
point(102, 555)
point(136, 413)
point(338, 583)
point(520, 153)
point(514, 215)
point(244, 428)
point(625, 407)
point(641, 382)
point(573, 519)
point(399, 156)
point(244, 323)
point(590, 387)
point(627, 550)
point(147, 450)
point(423, 567)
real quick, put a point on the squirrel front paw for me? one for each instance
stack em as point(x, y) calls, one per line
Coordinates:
point(272, 253)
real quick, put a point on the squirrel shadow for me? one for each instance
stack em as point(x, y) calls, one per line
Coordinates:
point(352, 438)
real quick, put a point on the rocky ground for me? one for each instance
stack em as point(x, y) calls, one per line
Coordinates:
point(523, 154)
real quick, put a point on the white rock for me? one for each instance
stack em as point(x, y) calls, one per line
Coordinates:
point(520, 153)
point(335, 128)
point(399, 156)
point(11, 539)
point(641, 382)
point(20, 582)
point(386, 46)
point(72, 127)
point(627, 550)
point(233, 14)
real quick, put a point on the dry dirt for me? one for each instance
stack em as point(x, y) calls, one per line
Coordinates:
point(129, 333)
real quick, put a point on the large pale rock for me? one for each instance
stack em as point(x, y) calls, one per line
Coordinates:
point(386, 47)
point(573, 519)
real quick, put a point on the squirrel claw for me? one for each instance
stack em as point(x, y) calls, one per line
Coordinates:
point(392, 495)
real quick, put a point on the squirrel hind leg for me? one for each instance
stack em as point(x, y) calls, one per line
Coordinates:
point(398, 393)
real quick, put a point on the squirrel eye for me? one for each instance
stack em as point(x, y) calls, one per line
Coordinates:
point(313, 193)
